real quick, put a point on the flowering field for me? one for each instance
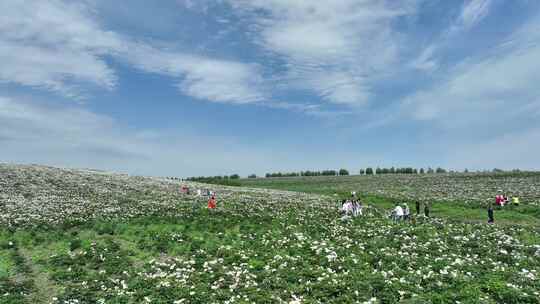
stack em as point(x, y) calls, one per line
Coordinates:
point(74, 236)
point(469, 188)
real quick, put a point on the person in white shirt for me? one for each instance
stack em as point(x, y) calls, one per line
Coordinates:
point(406, 212)
point(398, 213)
point(347, 207)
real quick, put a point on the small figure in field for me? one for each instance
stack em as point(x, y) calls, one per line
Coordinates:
point(406, 212)
point(357, 208)
point(426, 209)
point(499, 199)
point(491, 220)
point(417, 203)
point(212, 203)
point(184, 189)
point(199, 192)
point(347, 207)
point(515, 201)
point(506, 200)
point(397, 213)
point(360, 207)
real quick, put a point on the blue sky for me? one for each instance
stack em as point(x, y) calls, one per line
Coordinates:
point(235, 86)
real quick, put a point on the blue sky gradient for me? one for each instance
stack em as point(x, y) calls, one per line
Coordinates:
point(191, 87)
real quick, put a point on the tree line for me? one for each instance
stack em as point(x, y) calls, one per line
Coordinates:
point(340, 172)
point(404, 170)
point(233, 179)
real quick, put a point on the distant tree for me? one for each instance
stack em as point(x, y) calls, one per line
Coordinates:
point(369, 171)
point(430, 170)
point(421, 171)
point(466, 170)
point(362, 171)
point(415, 171)
point(378, 171)
point(234, 176)
point(343, 172)
point(392, 170)
point(440, 170)
point(329, 173)
point(497, 170)
point(252, 176)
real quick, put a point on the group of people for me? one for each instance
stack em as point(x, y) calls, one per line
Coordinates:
point(352, 207)
point(212, 202)
point(402, 212)
point(501, 200)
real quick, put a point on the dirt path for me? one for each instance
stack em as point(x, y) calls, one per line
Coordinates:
point(43, 289)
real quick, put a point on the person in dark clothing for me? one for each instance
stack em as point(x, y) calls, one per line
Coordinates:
point(491, 220)
point(426, 209)
point(417, 207)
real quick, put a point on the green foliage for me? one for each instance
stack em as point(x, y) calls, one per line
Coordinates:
point(146, 242)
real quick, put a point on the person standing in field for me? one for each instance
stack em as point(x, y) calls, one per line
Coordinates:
point(212, 203)
point(406, 211)
point(417, 208)
point(491, 220)
point(499, 199)
point(515, 201)
point(360, 207)
point(398, 213)
point(426, 209)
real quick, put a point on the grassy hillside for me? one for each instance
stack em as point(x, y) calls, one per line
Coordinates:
point(70, 236)
point(458, 196)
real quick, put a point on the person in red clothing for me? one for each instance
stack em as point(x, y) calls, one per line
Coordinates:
point(212, 203)
point(498, 199)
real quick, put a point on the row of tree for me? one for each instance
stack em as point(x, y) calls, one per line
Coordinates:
point(340, 172)
point(205, 179)
point(405, 170)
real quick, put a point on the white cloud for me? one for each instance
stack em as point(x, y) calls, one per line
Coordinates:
point(203, 78)
point(473, 12)
point(51, 44)
point(334, 48)
point(58, 45)
point(484, 96)
point(476, 91)
point(425, 61)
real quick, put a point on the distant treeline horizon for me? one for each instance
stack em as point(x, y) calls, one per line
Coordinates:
point(233, 179)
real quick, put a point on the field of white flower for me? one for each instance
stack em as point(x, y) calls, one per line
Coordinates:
point(75, 236)
point(467, 188)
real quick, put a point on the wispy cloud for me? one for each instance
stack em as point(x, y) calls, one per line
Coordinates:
point(53, 44)
point(56, 45)
point(333, 48)
point(472, 12)
point(481, 90)
point(204, 78)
